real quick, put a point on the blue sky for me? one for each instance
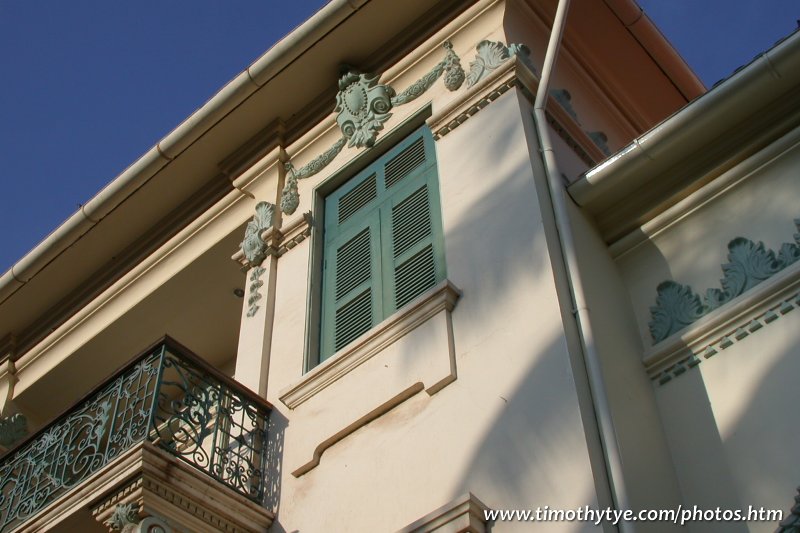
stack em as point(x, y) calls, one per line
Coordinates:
point(90, 85)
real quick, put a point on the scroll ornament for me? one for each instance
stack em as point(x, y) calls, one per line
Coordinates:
point(749, 263)
point(255, 251)
point(126, 520)
point(362, 108)
point(490, 55)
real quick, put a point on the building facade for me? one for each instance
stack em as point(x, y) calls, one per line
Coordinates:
point(422, 261)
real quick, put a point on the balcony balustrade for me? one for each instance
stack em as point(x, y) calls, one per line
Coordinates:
point(167, 396)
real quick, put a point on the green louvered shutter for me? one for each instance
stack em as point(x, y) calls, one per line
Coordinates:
point(383, 241)
point(351, 270)
point(412, 249)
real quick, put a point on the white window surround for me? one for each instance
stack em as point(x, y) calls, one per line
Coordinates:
point(441, 297)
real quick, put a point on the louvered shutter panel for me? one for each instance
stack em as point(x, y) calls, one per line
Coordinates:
point(351, 268)
point(412, 252)
point(383, 241)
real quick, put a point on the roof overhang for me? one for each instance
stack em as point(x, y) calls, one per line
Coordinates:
point(743, 114)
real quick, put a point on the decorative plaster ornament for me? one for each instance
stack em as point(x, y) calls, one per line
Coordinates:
point(290, 196)
point(12, 429)
point(749, 264)
point(255, 249)
point(454, 77)
point(362, 108)
point(564, 99)
point(491, 54)
point(124, 518)
point(255, 286)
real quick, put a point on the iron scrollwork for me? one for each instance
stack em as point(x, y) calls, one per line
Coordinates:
point(164, 397)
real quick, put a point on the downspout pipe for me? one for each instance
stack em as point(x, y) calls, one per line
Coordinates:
point(566, 240)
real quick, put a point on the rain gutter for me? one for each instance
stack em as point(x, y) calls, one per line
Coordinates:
point(239, 89)
point(769, 77)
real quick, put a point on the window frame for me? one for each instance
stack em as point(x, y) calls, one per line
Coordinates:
point(313, 337)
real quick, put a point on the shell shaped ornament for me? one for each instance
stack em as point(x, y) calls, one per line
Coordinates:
point(363, 106)
point(254, 249)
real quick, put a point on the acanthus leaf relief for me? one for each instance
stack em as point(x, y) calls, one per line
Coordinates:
point(749, 263)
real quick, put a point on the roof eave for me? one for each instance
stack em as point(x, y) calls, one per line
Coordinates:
point(696, 129)
point(241, 87)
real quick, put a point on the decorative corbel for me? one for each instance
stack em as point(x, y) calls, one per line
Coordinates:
point(253, 247)
point(13, 425)
point(126, 520)
point(362, 108)
point(8, 379)
point(255, 250)
point(13, 428)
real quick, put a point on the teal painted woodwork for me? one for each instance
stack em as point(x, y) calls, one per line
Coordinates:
point(362, 107)
point(383, 241)
point(167, 396)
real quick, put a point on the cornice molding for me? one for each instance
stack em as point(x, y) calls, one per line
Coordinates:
point(256, 148)
point(179, 241)
point(464, 513)
point(719, 187)
point(151, 247)
point(185, 498)
point(746, 113)
point(475, 98)
point(720, 329)
point(678, 306)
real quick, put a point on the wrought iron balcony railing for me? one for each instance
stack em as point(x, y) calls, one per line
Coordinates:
point(167, 396)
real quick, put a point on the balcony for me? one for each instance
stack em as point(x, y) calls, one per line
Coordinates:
point(167, 434)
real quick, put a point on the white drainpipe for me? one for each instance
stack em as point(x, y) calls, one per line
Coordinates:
point(597, 389)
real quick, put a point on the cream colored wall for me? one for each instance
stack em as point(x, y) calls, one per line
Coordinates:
point(480, 433)
point(635, 414)
point(509, 428)
point(515, 427)
point(759, 201)
point(189, 276)
point(728, 421)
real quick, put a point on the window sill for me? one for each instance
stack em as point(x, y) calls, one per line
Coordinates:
point(441, 297)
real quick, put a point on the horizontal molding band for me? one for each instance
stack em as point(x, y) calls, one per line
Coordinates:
point(745, 315)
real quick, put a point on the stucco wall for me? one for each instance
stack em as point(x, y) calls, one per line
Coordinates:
point(508, 428)
point(728, 419)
